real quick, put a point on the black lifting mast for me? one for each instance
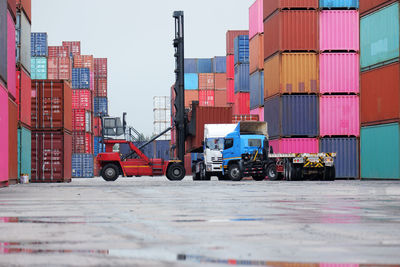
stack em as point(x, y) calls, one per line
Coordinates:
point(180, 124)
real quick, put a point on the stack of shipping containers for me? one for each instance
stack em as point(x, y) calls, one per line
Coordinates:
point(162, 116)
point(291, 75)
point(339, 117)
point(380, 89)
point(100, 92)
point(242, 75)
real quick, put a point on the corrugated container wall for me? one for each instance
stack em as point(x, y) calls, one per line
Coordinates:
point(3, 41)
point(242, 76)
point(11, 71)
point(101, 87)
point(12, 6)
point(242, 104)
point(230, 84)
point(81, 61)
point(380, 37)
point(190, 65)
point(257, 53)
point(220, 81)
point(26, 6)
point(292, 115)
point(347, 158)
point(58, 51)
point(82, 166)
point(248, 117)
point(100, 68)
point(294, 30)
point(256, 18)
point(258, 112)
point(74, 47)
point(24, 98)
point(339, 73)
point(220, 98)
point(81, 78)
point(291, 73)
point(204, 65)
point(241, 44)
point(59, 68)
point(256, 90)
point(12, 142)
point(270, 6)
point(24, 151)
point(38, 68)
point(191, 81)
point(380, 144)
point(230, 37)
point(206, 81)
point(219, 65)
point(230, 67)
point(3, 136)
point(295, 145)
point(100, 106)
point(82, 99)
point(98, 147)
point(206, 98)
point(82, 143)
point(39, 45)
point(339, 30)
point(340, 116)
point(23, 41)
point(353, 4)
point(380, 98)
point(368, 5)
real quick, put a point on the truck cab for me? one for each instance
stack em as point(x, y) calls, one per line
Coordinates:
point(246, 151)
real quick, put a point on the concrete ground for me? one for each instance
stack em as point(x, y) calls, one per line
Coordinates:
point(154, 222)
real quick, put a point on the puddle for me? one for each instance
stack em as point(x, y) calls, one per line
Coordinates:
point(59, 220)
point(15, 248)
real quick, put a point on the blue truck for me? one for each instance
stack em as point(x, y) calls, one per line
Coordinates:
point(247, 153)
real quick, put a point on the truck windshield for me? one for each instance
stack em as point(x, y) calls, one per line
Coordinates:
point(254, 142)
point(215, 143)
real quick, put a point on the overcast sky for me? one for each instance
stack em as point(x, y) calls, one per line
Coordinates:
point(136, 37)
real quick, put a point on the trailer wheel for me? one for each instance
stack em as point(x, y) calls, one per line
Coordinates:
point(176, 172)
point(290, 172)
point(234, 173)
point(272, 173)
point(110, 172)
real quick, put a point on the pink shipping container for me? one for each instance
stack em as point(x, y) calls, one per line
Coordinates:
point(242, 104)
point(339, 30)
point(230, 67)
point(11, 71)
point(339, 73)
point(3, 137)
point(230, 90)
point(59, 51)
point(295, 145)
point(340, 116)
point(82, 99)
point(256, 19)
point(259, 112)
point(206, 98)
point(59, 68)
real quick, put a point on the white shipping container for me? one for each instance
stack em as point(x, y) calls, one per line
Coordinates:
point(23, 41)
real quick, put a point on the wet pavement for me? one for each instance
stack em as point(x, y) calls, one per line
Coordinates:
point(154, 222)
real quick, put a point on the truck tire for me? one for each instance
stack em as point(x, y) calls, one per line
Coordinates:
point(110, 172)
point(290, 171)
point(176, 172)
point(271, 172)
point(234, 173)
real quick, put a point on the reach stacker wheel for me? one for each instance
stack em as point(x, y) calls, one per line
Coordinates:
point(110, 172)
point(176, 172)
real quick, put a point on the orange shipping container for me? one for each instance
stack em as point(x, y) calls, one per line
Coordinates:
point(191, 95)
point(221, 98)
point(13, 142)
point(206, 81)
point(257, 53)
point(291, 30)
point(220, 81)
point(84, 62)
point(291, 73)
point(367, 6)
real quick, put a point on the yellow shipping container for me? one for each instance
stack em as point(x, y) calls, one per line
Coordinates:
point(291, 73)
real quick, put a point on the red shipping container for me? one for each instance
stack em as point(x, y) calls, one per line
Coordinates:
point(100, 68)
point(24, 89)
point(220, 81)
point(11, 86)
point(206, 81)
point(206, 98)
point(367, 6)
point(242, 104)
point(82, 143)
point(188, 164)
point(59, 68)
point(97, 130)
point(26, 6)
point(230, 67)
point(12, 6)
point(74, 47)
point(51, 105)
point(81, 61)
point(51, 157)
point(239, 118)
point(59, 51)
point(100, 87)
point(291, 30)
point(12, 142)
point(270, 6)
point(230, 38)
point(82, 120)
point(256, 53)
point(82, 99)
point(220, 98)
point(230, 90)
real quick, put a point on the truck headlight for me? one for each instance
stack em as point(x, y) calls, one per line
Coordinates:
point(209, 168)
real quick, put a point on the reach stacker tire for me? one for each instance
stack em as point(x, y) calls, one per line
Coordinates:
point(176, 172)
point(110, 172)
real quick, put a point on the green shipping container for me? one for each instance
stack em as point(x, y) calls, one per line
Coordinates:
point(24, 151)
point(380, 37)
point(380, 152)
point(38, 68)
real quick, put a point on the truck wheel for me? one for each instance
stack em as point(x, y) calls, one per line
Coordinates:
point(290, 172)
point(110, 172)
point(176, 172)
point(234, 173)
point(272, 173)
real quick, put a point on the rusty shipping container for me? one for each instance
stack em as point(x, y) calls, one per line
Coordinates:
point(291, 73)
point(270, 6)
point(367, 6)
point(230, 43)
point(380, 95)
point(84, 61)
point(200, 116)
point(12, 142)
point(220, 98)
point(26, 6)
point(291, 30)
point(51, 105)
point(206, 81)
point(257, 53)
point(51, 157)
point(220, 81)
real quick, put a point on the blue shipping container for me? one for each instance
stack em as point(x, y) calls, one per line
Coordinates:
point(256, 89)
point(292, 116)
point(241, 44)
point(191, 81)
point(242, 78)
point(81, 78)
point(82, 166)
point(148, 150)
point(39, 46)
point(339, 4)
point(219, 64)
point(190, 65)
point(162, 149)
point(347, 158)
point(204, 65)
point(100, 106)
point(98, 147)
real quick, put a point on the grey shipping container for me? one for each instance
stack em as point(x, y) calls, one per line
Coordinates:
point(3, 40)
point(23, 41)
point(347, 158)
point(292, 116)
